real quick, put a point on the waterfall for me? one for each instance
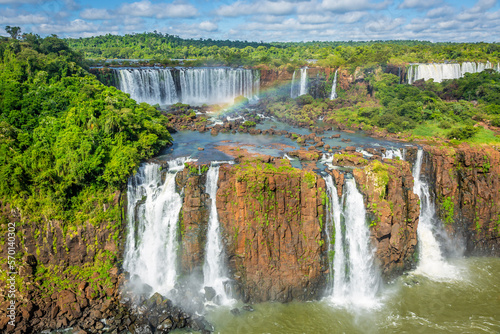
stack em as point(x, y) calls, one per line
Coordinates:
point(153, 86)
point(195, 85)
point(153, 213)
point(392, 154)
point(334, 87)
point(355, 277)
point(431, 261)
point(214, 271)
point(440, 72)
point(303, 81)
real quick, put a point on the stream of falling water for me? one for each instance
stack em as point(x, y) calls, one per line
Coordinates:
point(214, 269)
point(333, 95)
point(356, 280)
point(431, 261)
point(153, 213)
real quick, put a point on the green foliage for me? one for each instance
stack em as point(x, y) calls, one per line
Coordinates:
point(310, 179)
point(449, 209)
point(165, 49)
point(249, 124)
point(67, 142)
point(462, 133)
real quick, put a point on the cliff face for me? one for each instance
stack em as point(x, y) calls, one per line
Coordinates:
point(272, 220)
point(393, 209)
point(466, 181)
point(194, 220)
point(63, 275)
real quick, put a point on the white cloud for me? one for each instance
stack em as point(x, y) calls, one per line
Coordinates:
point(418, 4)
point(483, 5)
point(441, 11)
point(95, 14)
point(208, 26)
point(351, 17)
point(241, 8)
point(146, 8)
point(343, 6)
point(75, 26)
point(384, 24)
point(23, 19)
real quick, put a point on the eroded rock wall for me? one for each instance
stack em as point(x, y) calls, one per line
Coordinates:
point(466, 182)
point(271, 219)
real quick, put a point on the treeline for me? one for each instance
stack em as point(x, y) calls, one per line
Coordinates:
point(67, 142)
point(162, 48)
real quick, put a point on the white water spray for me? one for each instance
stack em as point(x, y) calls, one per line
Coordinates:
point(153, 213)
point(214, 270)
point(333, 96)
point(303, 81)
point(194, 85)
point(431, 261)
point(355, 277)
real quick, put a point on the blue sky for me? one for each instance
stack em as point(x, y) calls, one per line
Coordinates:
point(266, 20)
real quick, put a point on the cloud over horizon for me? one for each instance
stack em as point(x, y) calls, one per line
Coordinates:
point(262, 20)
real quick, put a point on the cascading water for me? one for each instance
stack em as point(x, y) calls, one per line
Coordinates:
point(153, 213)
point(335, 247)
point(214, 270)
point(440, 72)
point(195, 85)
point(355, 277)
point(392, 154)
point(431, 261)
point(303, 81)
point(333, 96)
point(148, 85)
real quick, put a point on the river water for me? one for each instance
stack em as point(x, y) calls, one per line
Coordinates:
point(411, 304)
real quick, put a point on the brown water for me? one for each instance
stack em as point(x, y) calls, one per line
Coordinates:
point(411, 304)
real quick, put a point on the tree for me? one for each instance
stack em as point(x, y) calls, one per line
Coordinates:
point(14, 32)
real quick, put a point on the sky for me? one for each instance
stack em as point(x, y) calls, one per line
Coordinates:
point(262, 20)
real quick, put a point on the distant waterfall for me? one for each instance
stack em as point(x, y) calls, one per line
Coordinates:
point(333, 96)
point(431, 261)
point(214, 270)
point(355, 277)
point(292, 86)
point(153, 213)
point(303, 81)
point(195, 86)
point(440, 72)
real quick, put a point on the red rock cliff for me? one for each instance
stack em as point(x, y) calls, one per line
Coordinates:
point(466, 181)
point(271, 218)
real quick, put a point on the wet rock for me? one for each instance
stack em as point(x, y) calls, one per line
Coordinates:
point(209, 293)
point(248, 308)
point(235, 311)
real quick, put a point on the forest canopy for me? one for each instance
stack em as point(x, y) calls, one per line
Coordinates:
point(67, 142)
point(162, 48)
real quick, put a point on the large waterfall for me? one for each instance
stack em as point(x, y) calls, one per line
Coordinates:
point(440, 72)
point(153, 213)
point(195, 86)
point(431, 261)
point(214, 269)
point(333, 96)
point(355, 277)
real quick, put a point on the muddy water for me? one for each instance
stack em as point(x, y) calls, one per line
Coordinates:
point(412, 304)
